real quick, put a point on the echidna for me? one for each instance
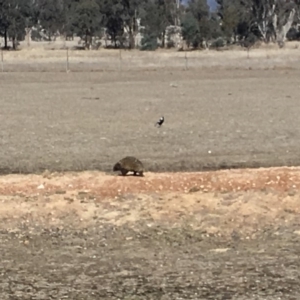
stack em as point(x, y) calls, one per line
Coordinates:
point(129, 164)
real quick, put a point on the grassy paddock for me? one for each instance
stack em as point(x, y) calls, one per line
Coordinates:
point(49, 57)
point(215, 118)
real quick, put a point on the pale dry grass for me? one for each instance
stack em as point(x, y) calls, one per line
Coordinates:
point(43, 56)
point(213, 119)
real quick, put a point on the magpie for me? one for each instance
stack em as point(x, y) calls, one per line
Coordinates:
point(160, 122)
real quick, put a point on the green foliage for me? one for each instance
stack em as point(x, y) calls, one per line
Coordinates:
point(215, 27)
point(86, 19)
point(190, 29)
point(51, 16)
point(199, 8)
point(236, 18)
point(129, 15)
point(200, 12)
point(233, 21)
point(4, 17)
point(218, 43)
point(155, 19)
point(14, 17)
point(112, 19)
point(293, 34)
point(149, 42)
point(249, 41)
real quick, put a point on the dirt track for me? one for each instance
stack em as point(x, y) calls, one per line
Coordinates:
point(215, 235)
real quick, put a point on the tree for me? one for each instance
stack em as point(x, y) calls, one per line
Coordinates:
point(190, 30)
point(249, 42)
point(215, 26)
point(173, 9)
point(112, 11)
point(129, 16)
point(283, 19)
point(67, 10)
point(155, 19)
point(14, 17)
point(271, 17)
point(235, 19)
point(51, 17)
point(149, 42)
point(200, 10)
point(86, 19)
point(4, 20)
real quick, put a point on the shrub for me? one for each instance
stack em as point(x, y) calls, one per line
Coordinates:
point(149, 42)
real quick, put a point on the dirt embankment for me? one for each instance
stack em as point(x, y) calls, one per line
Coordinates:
point(215, 235)
point(216, 201)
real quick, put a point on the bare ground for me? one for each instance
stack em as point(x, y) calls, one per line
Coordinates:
point(214, 119)
point(90, 235)
point(213, 235)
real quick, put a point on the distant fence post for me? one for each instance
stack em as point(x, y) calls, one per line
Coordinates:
point(67, 61)
point(186, 60)
point(2, 61)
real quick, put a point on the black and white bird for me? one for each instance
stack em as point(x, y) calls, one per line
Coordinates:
point(160, 121)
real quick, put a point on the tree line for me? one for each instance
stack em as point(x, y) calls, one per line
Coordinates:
point(234, 21)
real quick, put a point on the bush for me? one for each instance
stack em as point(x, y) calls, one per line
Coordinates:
point(293, 34)
point(149, 42)
point(218, 43)
point(190, 30)
point(249, 40)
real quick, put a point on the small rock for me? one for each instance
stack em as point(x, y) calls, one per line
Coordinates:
point(68, 199)
point(40, 187)
point(60, 192)
point(292, 192)
point(194, 189)
point(220, 250)
point(82, 193)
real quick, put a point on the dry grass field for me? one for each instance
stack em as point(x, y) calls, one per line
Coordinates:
point(228, 234)
point(89, 120)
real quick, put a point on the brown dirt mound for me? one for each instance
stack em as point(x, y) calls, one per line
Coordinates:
point(215, 235)
point(217, 202)
point(108, 186)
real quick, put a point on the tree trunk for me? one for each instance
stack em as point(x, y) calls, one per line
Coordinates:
point(282, 30)
point(14, 42)
point(64, 39)
point(28, 35)
point(114, 38)
point(132, 33)
point(263, 30)
point(86, 39)
point(131, 39)
point(105, 39)
point(5, 39)
point(49, 35)
point(90, 40)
